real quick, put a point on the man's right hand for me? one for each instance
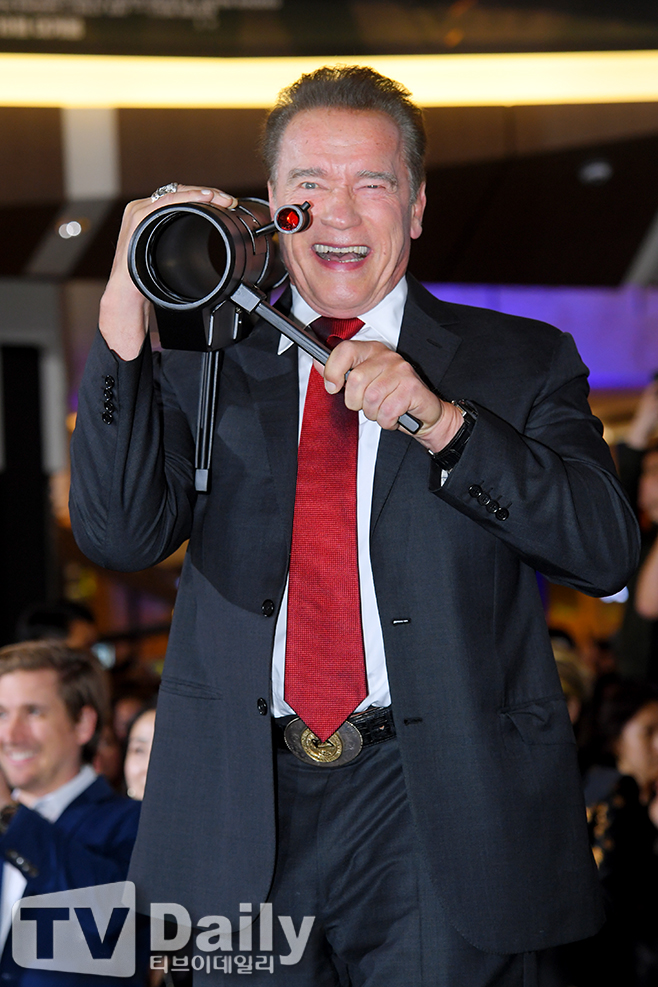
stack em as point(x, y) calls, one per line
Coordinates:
point(5, 791)
point(124, 311)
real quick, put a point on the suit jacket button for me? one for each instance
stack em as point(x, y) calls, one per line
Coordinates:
point(484, 498)
point(474, 490)
point(262, 706)
point(107, 417)
point(493, 506)
point(109, 381)
point(267, 608)
point(502, 514)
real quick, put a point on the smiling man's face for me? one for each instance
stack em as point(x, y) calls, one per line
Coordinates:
point(40, 746)
point(349, 164)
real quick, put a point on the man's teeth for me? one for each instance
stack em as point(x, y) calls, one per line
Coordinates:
point(19, 755)
point(348, 253)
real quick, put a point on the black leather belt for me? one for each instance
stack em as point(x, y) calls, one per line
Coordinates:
point(373, 726)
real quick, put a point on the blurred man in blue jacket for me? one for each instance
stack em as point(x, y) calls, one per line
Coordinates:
point(61, 825)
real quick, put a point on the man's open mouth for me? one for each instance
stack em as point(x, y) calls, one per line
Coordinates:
point(344, 255)
point(21, 755)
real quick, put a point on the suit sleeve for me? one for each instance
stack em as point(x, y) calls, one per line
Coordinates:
point(549, 489)
point(132, 477)
point(54, 860)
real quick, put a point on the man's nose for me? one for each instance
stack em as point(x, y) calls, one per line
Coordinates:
point(13, 729)
point(340, 210)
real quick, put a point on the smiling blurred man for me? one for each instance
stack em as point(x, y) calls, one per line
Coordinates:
point(360, 719)
point(61, 825)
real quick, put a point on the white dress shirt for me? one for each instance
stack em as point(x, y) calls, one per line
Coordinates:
point(381, 323)
point(50, 806)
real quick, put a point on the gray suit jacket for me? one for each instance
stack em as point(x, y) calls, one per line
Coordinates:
point(486, 742)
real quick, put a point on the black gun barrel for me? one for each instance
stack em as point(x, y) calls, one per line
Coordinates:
point(193, 255)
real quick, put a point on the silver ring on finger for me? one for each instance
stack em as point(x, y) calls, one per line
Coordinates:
point(164, 190)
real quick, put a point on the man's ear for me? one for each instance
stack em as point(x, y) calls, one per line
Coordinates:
point(86, 725)
point(417, 210)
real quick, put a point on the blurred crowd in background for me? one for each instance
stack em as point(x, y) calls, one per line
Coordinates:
point(611, 689)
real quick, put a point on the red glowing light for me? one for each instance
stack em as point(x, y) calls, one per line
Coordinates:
point(288, 219)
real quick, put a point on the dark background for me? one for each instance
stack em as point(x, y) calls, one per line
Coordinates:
point(317, 27)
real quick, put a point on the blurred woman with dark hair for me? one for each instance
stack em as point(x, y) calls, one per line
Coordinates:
point(138, 751)
point(627, 725)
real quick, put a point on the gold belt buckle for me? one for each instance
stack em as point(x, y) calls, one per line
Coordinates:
point(342, 747)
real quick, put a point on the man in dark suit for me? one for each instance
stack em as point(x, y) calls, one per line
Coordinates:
point(452, 845)
point(61, 825)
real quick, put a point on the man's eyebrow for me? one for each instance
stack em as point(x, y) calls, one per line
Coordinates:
point(306, 173)
point(385, 176)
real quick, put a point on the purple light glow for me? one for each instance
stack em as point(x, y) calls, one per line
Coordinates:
point(615, 329)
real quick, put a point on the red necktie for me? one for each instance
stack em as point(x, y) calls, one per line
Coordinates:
point(325, 677)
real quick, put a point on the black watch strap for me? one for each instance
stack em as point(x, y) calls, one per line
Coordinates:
point(449, 456)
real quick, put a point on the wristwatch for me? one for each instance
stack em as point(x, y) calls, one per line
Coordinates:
point(449, 456)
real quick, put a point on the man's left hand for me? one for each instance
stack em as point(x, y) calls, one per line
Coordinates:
point(5, 792)
point(384, 386)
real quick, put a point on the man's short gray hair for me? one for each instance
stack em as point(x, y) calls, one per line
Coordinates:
point(349, 87)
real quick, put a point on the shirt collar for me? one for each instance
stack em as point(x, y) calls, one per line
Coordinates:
point(52, 805)
point(381, 323)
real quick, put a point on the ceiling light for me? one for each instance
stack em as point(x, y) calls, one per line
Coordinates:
point(434, 80)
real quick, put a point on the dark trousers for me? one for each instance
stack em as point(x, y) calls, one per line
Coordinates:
point(348, 857)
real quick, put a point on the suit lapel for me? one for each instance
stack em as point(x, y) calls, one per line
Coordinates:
point(273, 385)
point(427, 344)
